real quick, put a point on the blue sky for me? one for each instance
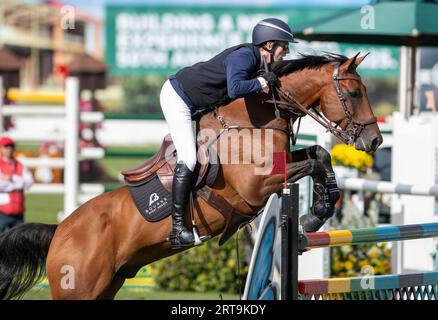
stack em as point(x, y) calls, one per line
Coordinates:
point(97, 7)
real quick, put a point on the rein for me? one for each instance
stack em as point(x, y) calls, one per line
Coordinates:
point(295, 110)
point(348, 136)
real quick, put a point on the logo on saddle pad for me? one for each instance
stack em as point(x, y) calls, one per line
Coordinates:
point(153, 198)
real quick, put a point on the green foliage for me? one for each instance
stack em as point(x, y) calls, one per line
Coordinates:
point(384, 109)
point(201, 269)
point(383, 95)
point(142, 94)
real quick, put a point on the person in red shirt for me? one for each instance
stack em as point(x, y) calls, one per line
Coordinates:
point(14, 179)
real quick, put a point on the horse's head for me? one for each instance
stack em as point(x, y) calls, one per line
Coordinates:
point(345, 102)
point(338, 92)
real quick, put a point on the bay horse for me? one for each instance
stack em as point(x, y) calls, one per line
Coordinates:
point(104, 241)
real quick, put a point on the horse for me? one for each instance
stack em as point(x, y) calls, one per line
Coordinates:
point(105, 241)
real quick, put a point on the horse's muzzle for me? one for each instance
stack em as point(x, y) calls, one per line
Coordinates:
point(369, 145)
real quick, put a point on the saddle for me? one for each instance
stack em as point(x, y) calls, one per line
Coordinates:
point(161, 167)
point(163, 164)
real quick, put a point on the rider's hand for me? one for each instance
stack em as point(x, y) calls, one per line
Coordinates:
point(271, 78)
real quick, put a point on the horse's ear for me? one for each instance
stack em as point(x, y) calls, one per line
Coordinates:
point(351, 63)
point(360, 59)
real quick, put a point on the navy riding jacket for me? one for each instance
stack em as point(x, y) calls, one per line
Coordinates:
point(216, 82)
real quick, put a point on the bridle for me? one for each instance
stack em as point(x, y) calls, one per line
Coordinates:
point(353, 129)
point(349, 136)
point(356, 126)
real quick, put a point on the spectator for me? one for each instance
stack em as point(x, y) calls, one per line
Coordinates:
point(14, 179)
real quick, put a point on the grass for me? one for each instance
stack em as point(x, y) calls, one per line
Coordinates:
point(142, 294)
point(45, 208)
point(114, 166)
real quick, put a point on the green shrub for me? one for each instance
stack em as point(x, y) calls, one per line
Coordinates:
point(202, 269)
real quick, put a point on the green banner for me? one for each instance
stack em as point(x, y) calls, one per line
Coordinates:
point(164, 39)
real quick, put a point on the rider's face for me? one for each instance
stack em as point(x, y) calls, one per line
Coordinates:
point(281, 50)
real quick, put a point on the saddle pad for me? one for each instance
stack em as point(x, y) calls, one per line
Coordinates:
point(152, 200)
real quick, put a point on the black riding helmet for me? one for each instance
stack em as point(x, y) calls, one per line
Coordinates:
point(271, 29)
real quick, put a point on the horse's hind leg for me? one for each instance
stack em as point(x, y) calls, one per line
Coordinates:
point(95, 285)
point(82, 274)
point(71, 284)
point(110, 292)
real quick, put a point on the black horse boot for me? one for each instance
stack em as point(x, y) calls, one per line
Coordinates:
point(323, 208)
point(181, 188)
point(312, 222)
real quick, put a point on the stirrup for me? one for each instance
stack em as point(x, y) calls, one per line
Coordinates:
point(199, 240)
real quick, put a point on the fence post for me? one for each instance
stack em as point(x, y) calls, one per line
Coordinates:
point(289, 242)
point(71, 146)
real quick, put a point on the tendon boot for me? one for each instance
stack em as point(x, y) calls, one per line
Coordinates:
point(313, 221)
point(325, 199)
point(181, 189)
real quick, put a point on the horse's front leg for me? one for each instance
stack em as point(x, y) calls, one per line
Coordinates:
point(325, 188)
point(294, 171)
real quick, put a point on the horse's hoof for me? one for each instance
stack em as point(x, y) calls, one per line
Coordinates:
point(311, 223)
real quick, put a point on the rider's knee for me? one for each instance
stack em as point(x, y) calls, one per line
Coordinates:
point(189, 160)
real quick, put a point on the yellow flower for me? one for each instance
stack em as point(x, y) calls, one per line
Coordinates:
point(346, 249)
point(348, 265)
point(337, 266)
point(231, 263)
point(374, 252)
point(362, 263)
point(350, 157)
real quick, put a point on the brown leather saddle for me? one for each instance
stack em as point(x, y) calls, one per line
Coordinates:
point(163, 164)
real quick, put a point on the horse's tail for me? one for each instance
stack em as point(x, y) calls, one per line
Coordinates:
point(23, 252)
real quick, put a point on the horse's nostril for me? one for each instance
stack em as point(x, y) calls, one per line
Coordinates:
point(377, 141)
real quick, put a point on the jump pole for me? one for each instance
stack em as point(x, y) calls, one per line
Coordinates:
point(339, 238)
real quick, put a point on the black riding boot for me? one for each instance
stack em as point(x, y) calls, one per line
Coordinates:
point(181, 188)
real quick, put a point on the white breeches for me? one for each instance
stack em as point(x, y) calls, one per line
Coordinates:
point(179, 120)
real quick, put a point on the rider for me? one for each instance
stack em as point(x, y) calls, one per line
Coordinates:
point(206, 85)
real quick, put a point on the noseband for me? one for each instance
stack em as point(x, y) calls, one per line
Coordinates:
point(353, 129)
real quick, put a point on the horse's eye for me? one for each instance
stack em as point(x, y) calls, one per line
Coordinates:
point(355, 94)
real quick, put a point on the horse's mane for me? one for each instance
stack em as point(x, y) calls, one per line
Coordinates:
point(284, 67)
